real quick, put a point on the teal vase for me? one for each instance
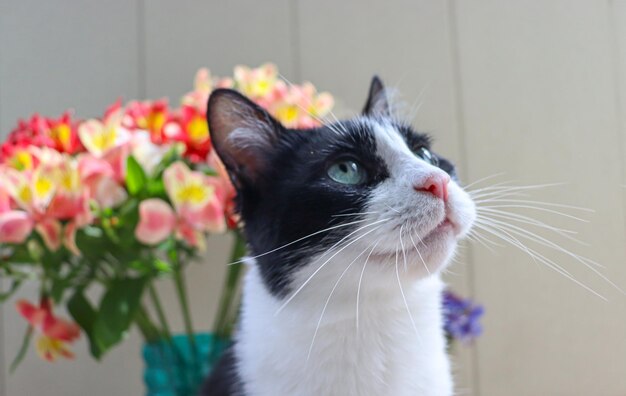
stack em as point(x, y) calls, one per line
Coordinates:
point(177, 368)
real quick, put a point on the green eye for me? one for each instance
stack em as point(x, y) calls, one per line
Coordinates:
point(427, 156)
point(347, 172)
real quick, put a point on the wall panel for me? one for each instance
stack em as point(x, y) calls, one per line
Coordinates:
point(538, 103)
point(183, 36)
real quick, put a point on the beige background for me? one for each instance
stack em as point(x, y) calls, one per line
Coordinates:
point(535, 89)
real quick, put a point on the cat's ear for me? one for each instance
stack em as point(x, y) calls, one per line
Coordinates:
point(242, 133)
point(377, 104)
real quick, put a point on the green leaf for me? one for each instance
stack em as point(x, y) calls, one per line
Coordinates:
point(85, 315)
point(117, 311)
point(7, 294)
point(92, 243)
point(135, 176)
point(162, 266)
point(156, 189)
point(58, 288)
point(22, 352)
point(18, 254)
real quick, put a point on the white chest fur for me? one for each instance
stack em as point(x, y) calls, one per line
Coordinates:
point(385, 355)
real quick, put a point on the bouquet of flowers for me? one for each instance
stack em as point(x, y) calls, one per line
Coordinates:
point(117, 202)
point(114, 203)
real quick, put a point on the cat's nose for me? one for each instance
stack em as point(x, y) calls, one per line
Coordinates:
point(436, 184)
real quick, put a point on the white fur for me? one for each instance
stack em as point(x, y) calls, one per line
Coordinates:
point(311, 343)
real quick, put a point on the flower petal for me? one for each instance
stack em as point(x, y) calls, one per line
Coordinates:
point(156, 221)
point(50, 231)
point(15, 226)
point(50, 349)
point(59, 329)
point(69, 238)
point(108, 193)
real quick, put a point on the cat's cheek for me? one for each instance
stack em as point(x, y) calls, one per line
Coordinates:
point(461, 210)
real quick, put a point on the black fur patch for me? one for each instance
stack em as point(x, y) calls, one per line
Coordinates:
point(297, 198)
point(224, 380)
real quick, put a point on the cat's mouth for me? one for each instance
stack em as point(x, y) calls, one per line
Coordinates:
point(445, 226)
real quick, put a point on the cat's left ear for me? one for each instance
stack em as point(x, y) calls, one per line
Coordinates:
point(243, 134)
point(377, 104)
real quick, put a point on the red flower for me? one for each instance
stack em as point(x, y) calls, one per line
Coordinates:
point(59, 134)
point(149, 116)
point(189, 126)
point(54, 332)
point(64, 134)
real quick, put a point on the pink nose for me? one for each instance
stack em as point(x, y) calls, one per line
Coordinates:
point(436, 184)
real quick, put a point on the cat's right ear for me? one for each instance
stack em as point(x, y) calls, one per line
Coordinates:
point(377, 104)
point(242, 134)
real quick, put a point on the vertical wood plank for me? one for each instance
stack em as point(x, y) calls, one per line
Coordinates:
point(185, 35)
point(617, 20)
point(59, 55)
point(343, 44)
point(538, 91)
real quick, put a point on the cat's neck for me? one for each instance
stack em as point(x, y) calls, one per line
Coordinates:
point(388, 352)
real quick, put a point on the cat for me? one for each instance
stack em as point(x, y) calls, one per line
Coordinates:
point(349, 226)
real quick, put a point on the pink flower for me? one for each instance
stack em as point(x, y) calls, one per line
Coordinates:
point(101, 137)
point(199, 97)
point(197, 208)
point(98, 178)
point(46, 195)
point(15, 225)
point(256, 83)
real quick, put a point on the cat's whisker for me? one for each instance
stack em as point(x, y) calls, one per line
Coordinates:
point(418, 252)
point(505, 236)
point(482, 179)
point(395, 210)
point(326, 262)
point(354, 214)
point(515, 188)
point(536, 256)
point(535, 202)
point(358, 290)
point(337, 121)
point(545, 242)
point(330, 295)
point(474, 236)
point(530, 221)
point(402, 245)
point(329, 250)
point(511, 239)
point(417, 103)
point(494, 187)
point(523, 206)
point(318, 119)
point(499, 194)
point(406, 304)
point(299, 240)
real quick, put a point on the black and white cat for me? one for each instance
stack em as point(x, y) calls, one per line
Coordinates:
point(349, 226)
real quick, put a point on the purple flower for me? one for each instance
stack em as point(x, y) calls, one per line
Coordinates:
point(461, 318)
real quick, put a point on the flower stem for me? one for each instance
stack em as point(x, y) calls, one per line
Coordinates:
point(222, 326)
point(160, 313)
point(181, 288)
point(146, 327)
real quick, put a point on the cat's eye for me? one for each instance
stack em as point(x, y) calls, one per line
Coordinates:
point(347, 171)
point(427, 156)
